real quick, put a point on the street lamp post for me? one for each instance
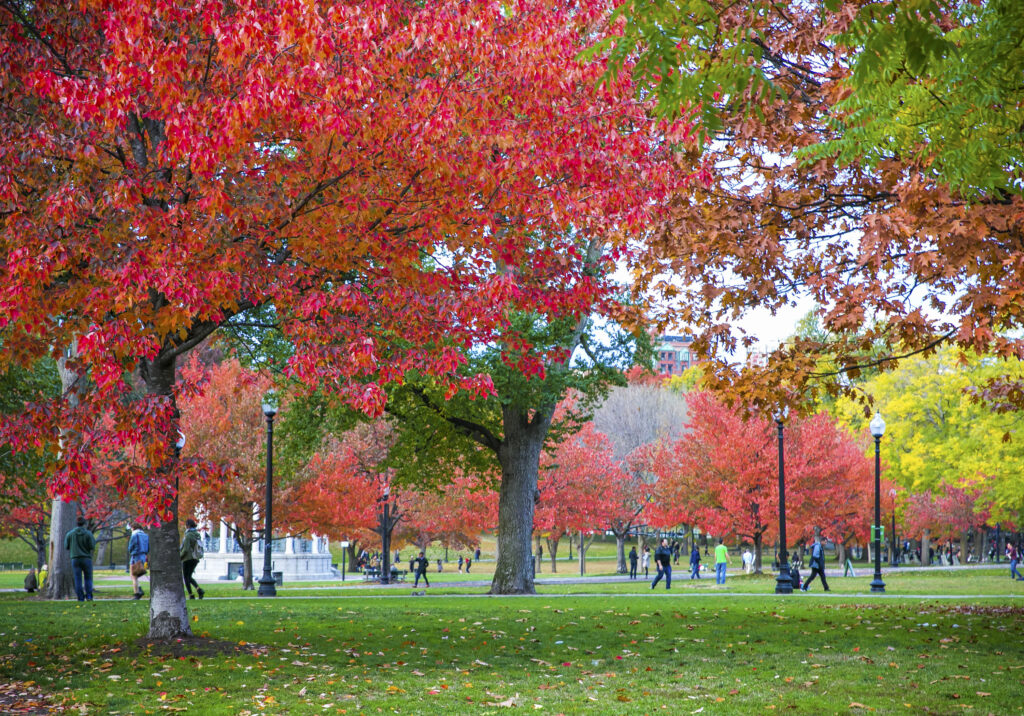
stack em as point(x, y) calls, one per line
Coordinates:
point(385, 538)
point(784, 582)
point(894, 560)
point(268, 587)
point(877, 428)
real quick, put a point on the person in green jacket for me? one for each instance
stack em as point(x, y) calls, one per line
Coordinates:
point(80, 543)
point(191, 552)
point(721, 562)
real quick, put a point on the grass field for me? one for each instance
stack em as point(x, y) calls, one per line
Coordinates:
point(625, 649)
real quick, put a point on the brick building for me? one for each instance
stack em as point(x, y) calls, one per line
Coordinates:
point(673, 354)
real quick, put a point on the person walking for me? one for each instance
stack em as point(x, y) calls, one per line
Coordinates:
point(663, 556)
point(817, 565)
point(748, 561)
point(695, 563)
point(461, 562)
point(633, 558)
point(645, 562)
point(469, 563)
point(138, 554)
point(421, 570)
point(80, 543)
point(1013, 552)
point(191, 552)
point(721, 561)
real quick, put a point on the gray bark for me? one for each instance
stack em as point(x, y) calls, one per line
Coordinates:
point(168, 615)
point(553, 553)
point(519, 456)
point(60, 581)
point(246, 547)
point(104, 543)
point(925, 546)
point(620, 554)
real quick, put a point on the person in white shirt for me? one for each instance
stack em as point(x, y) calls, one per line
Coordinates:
point(748, 561)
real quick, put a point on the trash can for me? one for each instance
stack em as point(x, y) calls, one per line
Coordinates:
point(278, 578)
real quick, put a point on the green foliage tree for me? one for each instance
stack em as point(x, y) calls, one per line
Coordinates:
point(937, 432)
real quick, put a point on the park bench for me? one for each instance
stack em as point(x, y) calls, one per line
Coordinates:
point(373, 575)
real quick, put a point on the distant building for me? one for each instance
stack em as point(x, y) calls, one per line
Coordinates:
point(673, 354)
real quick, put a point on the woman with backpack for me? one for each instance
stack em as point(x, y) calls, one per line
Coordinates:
point(191, 552)
point(138, 554)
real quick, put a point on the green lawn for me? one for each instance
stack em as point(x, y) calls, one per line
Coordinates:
point(619, 652)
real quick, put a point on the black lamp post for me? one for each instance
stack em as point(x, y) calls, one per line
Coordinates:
point(784, 582)
point(385, 537)
point(268, 587)
point(894, 559)
point(877, 428)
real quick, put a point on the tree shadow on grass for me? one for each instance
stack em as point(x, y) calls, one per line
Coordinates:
point(198, 646)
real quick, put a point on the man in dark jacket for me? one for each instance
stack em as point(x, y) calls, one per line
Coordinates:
point(695, 563)
point(663, 558)
point(190, 552)
point(421, 570)
point(80, 543)
point(633, 557)
point(817, 565)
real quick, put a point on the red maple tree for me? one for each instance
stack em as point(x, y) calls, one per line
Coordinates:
point(455, 515)
point(377, 173)
point(224, 429)
point(725, 474)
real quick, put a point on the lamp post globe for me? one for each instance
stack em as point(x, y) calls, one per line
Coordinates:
point(784, 581)
point(268, 587)
point(877, 428)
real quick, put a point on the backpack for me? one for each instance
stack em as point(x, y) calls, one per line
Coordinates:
point(196, 552)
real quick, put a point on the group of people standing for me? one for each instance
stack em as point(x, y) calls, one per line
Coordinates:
point(666, 554)
point(80, 544)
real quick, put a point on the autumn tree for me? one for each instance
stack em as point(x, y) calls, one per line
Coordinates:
point(378, 174)
point(454, 515)
point(939, 433)
point(855, 147)
point(726, 471)
point(223, 424)
point(583, 489)
point(634, 418)
point(348, 485)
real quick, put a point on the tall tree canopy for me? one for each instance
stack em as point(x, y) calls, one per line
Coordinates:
point(867, 155)
point(377, 172)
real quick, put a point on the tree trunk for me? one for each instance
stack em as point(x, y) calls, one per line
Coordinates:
point(758, 546)
point(104, 545)
point(39, 533)
point(620, 552)
point(519, 456)
point(925, 546)
point(246, 547)
point(168, 614)
point(540, 553)
point(979, 543)
point(60, 581)
point(963, 546)
point(553, 552)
